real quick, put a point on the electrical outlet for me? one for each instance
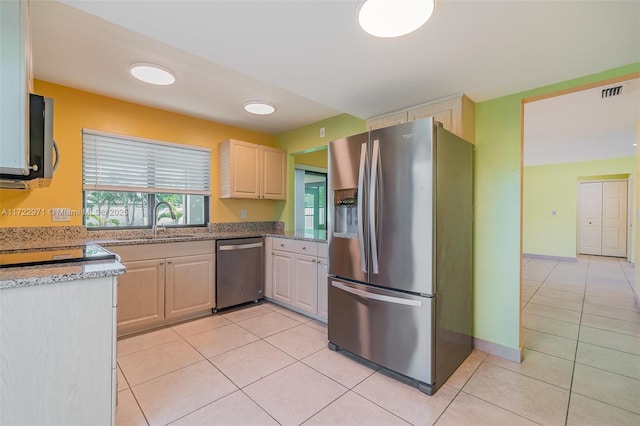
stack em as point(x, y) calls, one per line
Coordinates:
point(322, 132)
point(243, 214)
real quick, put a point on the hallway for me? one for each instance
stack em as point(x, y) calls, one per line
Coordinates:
point(581, 318)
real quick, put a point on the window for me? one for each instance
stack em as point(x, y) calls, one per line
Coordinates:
point(311, 200)
point(125, 178)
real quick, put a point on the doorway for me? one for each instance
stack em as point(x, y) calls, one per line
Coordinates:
point(602, 218)
point(310, 200)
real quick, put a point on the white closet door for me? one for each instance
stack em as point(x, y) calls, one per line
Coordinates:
point(590, 217)
point(614, 218)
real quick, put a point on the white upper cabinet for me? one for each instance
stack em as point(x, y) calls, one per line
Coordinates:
point(15, 86)
point(456, 113)
point(247, 170)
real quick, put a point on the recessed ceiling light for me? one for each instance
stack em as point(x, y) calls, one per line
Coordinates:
point(259, 108)
point(153, 74)
point(394, 18)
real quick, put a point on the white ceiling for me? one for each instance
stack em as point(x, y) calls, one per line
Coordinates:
point(582, 126)
point(311, 59)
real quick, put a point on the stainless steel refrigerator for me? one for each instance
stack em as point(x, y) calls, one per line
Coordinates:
point(400, 250)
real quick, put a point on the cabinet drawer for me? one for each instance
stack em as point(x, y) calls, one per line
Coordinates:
point(296, 246)
point(323, 250)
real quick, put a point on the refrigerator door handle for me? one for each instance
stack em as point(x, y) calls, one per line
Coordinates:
point(373, 201)
point(361, 173)
point(374, 296)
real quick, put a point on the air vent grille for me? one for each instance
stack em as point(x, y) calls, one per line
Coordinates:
point(612, 91)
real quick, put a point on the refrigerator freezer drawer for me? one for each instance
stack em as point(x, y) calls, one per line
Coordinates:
point(389, 328)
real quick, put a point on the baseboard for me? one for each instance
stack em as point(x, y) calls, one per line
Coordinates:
point(546, 257)
point(496, 349)
point(635, 296)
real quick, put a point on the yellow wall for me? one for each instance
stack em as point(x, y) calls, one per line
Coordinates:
point(75, 109)
point(307, 139)
point(315, 158)
point(554, 188)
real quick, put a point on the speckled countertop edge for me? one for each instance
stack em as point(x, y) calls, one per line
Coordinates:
point(48, 274)
point(318, 236)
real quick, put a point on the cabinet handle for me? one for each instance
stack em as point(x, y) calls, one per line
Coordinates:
point(313, 260)
point(281, 245)
point(304, 248)
point(169, 261)
point(162, 262)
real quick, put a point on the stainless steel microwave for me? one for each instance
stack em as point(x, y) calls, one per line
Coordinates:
point(43, 151)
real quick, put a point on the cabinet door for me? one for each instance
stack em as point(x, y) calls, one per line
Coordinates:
point(305, 277)
point(445, 112)
point(323, 295)
point(245, 163)
point(190, 285)
point(282, 269)
point(57, 353)
point(268, 267)
point(387, 120)
point(273, 173)
point(141, 294)
point(15, 70)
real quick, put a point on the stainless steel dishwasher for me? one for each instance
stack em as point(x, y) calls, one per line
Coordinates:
point(239, 271)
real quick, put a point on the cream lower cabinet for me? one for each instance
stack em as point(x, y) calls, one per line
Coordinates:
point(296, 275)
point(159, 290)
point(323, 289)
point(141, 294)
point(57, 353)
point(188, 285)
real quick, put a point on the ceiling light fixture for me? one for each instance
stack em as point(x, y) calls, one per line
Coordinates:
point(394, 18)
point(152, 74)
point(259, 108)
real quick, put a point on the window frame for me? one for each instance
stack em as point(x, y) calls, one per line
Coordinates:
point(99, 151)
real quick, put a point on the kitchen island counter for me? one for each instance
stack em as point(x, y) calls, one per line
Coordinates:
point(49, 274)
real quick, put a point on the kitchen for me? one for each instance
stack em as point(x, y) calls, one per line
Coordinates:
point(496, 162)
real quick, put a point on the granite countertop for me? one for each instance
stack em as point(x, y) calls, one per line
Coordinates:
point(49, 274)
point(305, 235)
point(28, 239)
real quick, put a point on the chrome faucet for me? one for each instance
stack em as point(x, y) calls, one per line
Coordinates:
point(154, 228)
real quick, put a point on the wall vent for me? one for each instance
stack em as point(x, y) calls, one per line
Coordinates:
point(612, 91)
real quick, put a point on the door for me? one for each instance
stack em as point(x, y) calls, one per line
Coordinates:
point(614, 218)
point(348, 180)
point(603, 218)
point(400, 214)
point(590, 218)
point(390, 328)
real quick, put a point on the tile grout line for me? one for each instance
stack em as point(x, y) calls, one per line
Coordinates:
point(130, 388)
point(575, 356)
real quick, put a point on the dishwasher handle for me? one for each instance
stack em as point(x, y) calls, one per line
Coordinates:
point(239, 246)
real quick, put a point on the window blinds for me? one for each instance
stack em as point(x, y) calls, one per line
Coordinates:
point(121, 163)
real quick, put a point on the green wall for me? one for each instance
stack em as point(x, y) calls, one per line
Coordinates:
point(497, 245)
point(552, 188)
point(497, 201)
point(307, 139)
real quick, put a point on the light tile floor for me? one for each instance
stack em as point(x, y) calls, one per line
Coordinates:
point(265, 365)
